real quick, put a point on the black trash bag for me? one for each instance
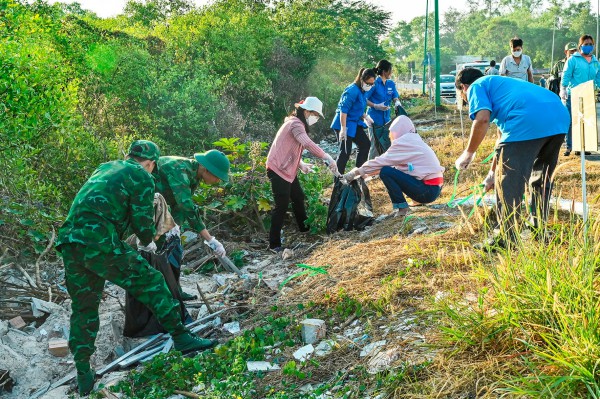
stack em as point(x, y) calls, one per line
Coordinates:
point(399, 109)
point(350, 207)
point(381, 137)
point(139, 320)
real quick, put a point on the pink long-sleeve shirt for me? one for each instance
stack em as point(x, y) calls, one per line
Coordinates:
point(286, 150)
point(409, 154)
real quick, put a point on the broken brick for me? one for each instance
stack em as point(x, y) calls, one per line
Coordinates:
point(58, 347)
point(17, 322)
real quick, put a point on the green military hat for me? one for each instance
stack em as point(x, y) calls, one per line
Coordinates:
point(145, 149)
point(215, 162)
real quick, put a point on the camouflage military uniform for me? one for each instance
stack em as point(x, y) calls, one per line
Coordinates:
point(119, 195)
point(177, 182)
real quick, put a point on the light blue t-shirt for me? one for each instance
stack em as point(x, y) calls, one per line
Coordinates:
point(382, 93)
point(521, 110)
point(353, 103)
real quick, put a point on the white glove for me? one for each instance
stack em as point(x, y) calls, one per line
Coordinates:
point(464, 160)
point(330, 162)
point(216, 246)
point(350, 176)
point(368, 120)
point(343, 135)
point(398, 103)
point(306, 167)
point(149, 248)
point(488, 182)
point(563, 93)
point(381, 107)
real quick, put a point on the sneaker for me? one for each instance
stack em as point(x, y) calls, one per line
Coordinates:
point(491, 245)
point(567, 153)
point(188, 342)
point(277, 250)
point(400, 212)
point(577, 153)
point(85, 382)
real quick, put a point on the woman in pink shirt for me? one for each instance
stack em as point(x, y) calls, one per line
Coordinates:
point(409, 168)
point(284, 161)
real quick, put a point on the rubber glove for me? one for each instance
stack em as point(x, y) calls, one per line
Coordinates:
point(464, 160)
point(330, 162)
point(149, 248)
point(488, 182)
point(343, 135)
point(350, 176)
point(216, 246)
point(368, 120)
point(306, 167)
point(398, 103)
point(563, 93)
point(381, 107)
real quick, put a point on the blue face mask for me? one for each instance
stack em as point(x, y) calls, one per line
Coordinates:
point(587, 49)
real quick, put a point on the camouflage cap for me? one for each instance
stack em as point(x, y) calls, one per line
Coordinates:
point(145, 149)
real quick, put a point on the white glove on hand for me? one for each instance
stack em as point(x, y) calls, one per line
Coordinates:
point(350, 176)
point(343, 135)
point(381, 107)
point(306, 167)
point(330, 162)
point(368, 120)
point(149, 248)
point(216, 246)
point(488, 182)
point(464, 160)
point(563, 93)
point(398, 103)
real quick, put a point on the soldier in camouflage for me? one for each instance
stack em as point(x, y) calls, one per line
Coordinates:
point(119, 195)
point(178, 178)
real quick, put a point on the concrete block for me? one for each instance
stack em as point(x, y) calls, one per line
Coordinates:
point(58, 347)
point(304, 353)
point(313, 330)
point(17, 322)
point(261, 366)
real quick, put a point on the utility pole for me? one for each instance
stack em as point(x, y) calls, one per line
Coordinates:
point(425, 50)
point(553, 30)
point(438, 59)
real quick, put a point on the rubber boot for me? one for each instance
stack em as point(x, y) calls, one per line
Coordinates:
point(188, 342)
point(185, 296)
point(85, 382)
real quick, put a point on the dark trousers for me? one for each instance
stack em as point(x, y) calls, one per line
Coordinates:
point(283, 192)
point(525, 163)
point(400, 185)
point(363, 144)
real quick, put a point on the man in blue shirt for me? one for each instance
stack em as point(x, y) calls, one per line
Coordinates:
point(533, 123)
point(379, 100)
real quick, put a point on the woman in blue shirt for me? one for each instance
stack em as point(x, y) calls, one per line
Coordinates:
point(379, 100)
point(348, 123)
point(579, 68)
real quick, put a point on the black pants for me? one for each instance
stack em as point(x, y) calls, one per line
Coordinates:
point(283, 192)
point(363, 144)
point(525, 163)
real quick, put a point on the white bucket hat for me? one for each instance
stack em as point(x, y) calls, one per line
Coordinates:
point(311, 104)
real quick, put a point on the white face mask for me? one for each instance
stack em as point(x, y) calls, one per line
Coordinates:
point(366, 87)
point(312, 119)
point(517, 53)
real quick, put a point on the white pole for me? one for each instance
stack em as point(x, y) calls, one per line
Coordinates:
point(597, 33)
point(553, 30)
point(583, 178)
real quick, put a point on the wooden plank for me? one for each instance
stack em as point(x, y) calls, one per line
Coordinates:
point(228, 264)
point(134, 359)
point(112, 365)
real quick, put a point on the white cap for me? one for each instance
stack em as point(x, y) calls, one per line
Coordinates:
point(311, 104)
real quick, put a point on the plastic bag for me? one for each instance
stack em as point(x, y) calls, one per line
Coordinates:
point(350, 207)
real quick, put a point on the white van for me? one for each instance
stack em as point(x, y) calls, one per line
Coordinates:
point(481, 65)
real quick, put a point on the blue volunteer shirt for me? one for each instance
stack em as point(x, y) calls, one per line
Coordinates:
point(382, 93)
point(521, 110)
point(353, 103)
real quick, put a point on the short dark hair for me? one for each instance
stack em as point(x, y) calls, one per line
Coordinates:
point(383, 66)
point(467, 76)
point(516, 42)
point(493, 63)
point(583, 38)
point(364, 74)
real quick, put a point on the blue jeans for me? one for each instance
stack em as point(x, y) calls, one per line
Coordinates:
point(399, 185)
point(569, 138)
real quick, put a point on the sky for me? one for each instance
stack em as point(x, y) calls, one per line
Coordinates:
point(401, 9)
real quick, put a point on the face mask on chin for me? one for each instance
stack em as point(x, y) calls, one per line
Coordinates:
point(312, 119)
point(517, 53)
